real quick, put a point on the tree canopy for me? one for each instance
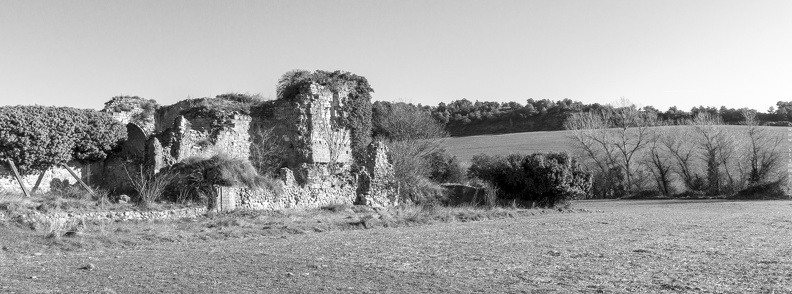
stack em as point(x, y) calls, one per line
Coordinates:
point(39, 137)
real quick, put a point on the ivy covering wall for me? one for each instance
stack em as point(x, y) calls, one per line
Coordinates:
point(355, 112)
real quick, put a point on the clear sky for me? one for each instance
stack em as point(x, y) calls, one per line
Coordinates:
point(661, 53)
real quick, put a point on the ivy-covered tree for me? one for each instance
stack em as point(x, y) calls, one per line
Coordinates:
point(39, 137)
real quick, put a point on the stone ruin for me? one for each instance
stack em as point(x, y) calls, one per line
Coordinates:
point(318, 157)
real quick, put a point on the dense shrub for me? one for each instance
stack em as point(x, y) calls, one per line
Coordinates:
point(772, 190)
point(39, 137)
point(548, 179)
point(445, 168)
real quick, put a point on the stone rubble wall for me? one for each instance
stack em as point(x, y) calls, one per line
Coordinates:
point(376, 187)
point(334, 190)
point(37, 218)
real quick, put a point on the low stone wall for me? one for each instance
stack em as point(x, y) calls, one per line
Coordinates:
point(40, 218)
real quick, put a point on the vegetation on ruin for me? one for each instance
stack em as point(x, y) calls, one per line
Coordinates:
point(39, 137)
point(355, 107)
point(128, 103)
point(220, 108)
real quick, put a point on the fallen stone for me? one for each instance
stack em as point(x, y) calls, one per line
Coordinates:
point(88, 267)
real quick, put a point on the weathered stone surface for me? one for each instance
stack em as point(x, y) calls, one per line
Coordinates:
point(135, 115)
point(379, 187)
point(333, 190)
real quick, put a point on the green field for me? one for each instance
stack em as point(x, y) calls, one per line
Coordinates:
point(639, 246)
point(530, 142)
point(466, 147)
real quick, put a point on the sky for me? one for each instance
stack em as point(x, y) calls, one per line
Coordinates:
point(682, 53)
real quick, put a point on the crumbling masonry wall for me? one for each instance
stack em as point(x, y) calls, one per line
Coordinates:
point(316, 152)
point(304, 128)
point(199, 137)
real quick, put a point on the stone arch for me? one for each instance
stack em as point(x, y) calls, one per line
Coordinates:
point(135, 145)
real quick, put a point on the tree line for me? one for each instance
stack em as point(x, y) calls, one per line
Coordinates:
point(465, 118)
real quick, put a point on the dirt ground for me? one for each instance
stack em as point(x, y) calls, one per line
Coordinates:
point(659, 246)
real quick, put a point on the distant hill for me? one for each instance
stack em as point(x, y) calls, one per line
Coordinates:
point(471, 118)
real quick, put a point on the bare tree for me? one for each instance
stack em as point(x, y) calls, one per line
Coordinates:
point(632, 136)
point(679, 145)
point(613, 139)
point(658, 160)
point(591, 143)
point(764, 155)
point(710, 142)
point(412, 135)
point(266, 151)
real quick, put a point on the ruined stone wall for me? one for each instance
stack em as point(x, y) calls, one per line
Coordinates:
point(315, 149)
point(234, 138)
point(303, 128)
point(197, 137)
point(165, 116)
point(327, 143)
point(132, 113)
point(8, 181)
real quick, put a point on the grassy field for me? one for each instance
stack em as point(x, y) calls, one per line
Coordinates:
point(603, 247)
point(466, 147)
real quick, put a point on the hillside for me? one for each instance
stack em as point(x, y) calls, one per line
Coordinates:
point(464, 148)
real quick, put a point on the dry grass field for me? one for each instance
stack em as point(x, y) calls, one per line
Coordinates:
point(530, 142)
point(602, 247)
